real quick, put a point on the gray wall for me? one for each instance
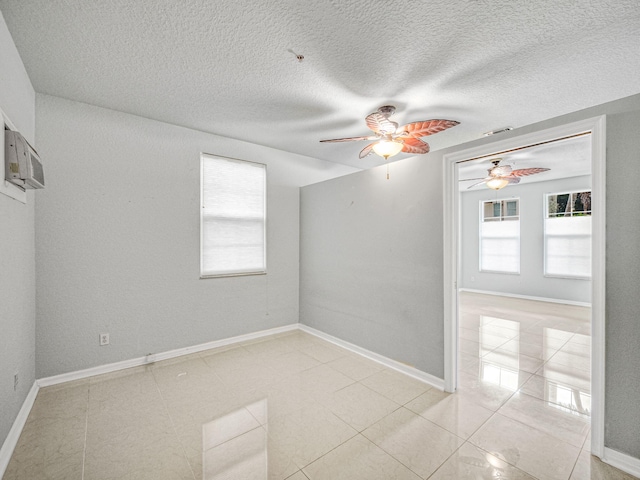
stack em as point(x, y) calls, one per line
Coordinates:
point(623, 277)
point(371, 261)
point(17, 252)
point(531, 280)
point(117, 239)
point(401, 220)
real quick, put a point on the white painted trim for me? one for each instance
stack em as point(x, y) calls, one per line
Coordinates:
point(597, 127)
point(582, 126)
point(622, 461)
point(387, 362)
point(136, 362)
point(451, 273)
point(598, 272)
point(527, 297)
point(11, 441)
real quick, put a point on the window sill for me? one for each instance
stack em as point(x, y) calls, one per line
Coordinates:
point(226, 275)
point(496, 271)
point(566, 277)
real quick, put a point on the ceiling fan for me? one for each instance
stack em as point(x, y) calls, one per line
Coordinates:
point(391, 139)
point(502, 175)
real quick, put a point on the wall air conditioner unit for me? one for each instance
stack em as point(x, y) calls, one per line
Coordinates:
point(22, 163)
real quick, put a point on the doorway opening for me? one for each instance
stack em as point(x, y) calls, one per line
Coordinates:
point(592, 131)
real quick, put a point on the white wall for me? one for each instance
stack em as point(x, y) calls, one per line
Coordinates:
point(117, 239)
point(531, 280)
point(17, 252)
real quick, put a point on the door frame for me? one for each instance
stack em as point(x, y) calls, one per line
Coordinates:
point(597, 128)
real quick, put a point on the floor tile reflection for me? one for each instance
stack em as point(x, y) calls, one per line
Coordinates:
point(527, 448)
point(471, 463)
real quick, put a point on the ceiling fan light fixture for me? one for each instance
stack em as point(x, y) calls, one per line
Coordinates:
point(387, 148)
point(497, 183)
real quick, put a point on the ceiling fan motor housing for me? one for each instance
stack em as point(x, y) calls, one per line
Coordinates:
point(387, 110)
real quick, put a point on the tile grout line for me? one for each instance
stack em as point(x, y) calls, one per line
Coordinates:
point(173, 425)
point(396, 459)
point(86, 429)
point(445, 461)
point(580, 453)
point(426, 419)
point(468, 440)
point(358, 432)
point(407, 466)
point(538, 430)
point(575, 464)
point(464, 440)
point(334, 448)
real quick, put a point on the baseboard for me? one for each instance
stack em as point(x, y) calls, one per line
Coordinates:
point(11, 441)
point(527, 297)
point(622, 461)
point(156, 357)
point(387, 362)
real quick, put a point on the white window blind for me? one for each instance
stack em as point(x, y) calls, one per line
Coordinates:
point(567, 246)
point(500, 237)
point(233, 217)
point(500, 247)
point(567, 235)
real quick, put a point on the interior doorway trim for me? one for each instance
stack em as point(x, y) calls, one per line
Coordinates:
point(597, 128)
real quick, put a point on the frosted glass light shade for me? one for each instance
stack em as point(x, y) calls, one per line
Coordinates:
point(386, 148)
point(497, 183)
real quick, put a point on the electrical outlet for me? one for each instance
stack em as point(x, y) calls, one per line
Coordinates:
point(15, 382)
point(104, 339)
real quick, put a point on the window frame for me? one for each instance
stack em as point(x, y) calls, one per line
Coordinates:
point(498, 219)
point(547, 217)
point(564, 214)
point(203, 157)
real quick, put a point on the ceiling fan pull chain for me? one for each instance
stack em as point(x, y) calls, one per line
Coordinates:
point(387, 169)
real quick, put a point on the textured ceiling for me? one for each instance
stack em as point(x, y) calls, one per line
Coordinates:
point(228, 67)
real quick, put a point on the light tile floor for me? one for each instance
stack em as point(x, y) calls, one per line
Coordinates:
point(296, 407)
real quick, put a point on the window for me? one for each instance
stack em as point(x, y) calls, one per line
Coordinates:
point(500, 236)
point(567, 235)
point(232, 217)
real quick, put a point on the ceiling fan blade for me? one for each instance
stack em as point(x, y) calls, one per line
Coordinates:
point(380, 124)
point(470, 179)
point(366, 150)
point(512, 180)
point(523, 172)
point(427, 127)
point(479, 183)
point(349, 139)
point(415, 145)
